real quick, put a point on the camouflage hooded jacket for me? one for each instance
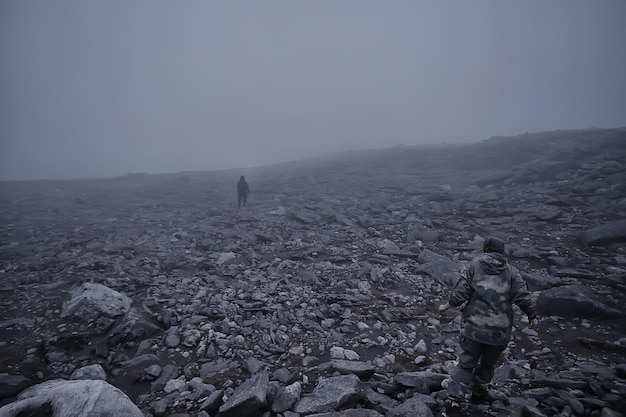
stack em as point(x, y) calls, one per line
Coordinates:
point(490, 286)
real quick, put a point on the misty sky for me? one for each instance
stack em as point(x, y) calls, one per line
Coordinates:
point(104, 88)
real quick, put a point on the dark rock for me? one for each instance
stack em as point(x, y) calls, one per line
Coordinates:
point(620, 370)
point(603, 344)
point(574, 273)
point(531, 411)
point(172, 337)
point(168, 372)
point(331, 394)
point(213, 402)
point(354, 412)
point(161, 405)
point(248, 399)
point(210, 370)
point(282, 399)
point(378, 401)
point(423, 381)
point(575, 301)
point(254, 366)
point(560, 383)
point(538, 282)
point(135, 325)
point(413, 407)
point(438, 267)
point(11, 385)
point(285, 376)
point(607, 412)
point(605, 234)
point(539, 394)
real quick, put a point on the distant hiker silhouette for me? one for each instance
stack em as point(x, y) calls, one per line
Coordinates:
point(242, 192)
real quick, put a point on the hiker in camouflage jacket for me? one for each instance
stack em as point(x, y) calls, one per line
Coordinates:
point(490, 286)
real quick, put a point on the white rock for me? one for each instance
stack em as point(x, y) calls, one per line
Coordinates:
point(379, 362)
point(222, 258)
point(91, 300)
point(364, 287)
point(175, 385)
point(390, 358)
point(78, 398)
point(351, 355)
point(90, 372)
point(337, 352)
point(419, 360)
point(153, 371)
point(421, 347)
point(362, 326)
point(297, 350)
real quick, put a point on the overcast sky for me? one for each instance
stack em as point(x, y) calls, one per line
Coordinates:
point(104, 88)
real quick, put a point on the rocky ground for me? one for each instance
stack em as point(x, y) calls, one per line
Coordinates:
point(320, 297)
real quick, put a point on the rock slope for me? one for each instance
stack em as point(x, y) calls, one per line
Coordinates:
point(320, 297)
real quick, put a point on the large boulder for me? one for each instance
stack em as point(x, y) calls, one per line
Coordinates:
point(575, 300)
point(538, 282)
point(331, 394)
point(91, 301)
point(137, 324)
point(605, 234)
point(439, 267)
point(79, 398)
point(250, 398)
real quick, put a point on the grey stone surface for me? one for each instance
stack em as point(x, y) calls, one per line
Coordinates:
point(423, 381)
point(80, 398)
point(91, 300)
point(282, 398)
point(249, 399)
point(358, 412)
point(413, 407)
point(576, 300)
point(345, 257)
point(363, 370)
point(605, 234)
point(331, 394)
point(90, 372)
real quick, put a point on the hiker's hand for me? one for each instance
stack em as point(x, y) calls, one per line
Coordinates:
point(533, 323)
point(444, 307)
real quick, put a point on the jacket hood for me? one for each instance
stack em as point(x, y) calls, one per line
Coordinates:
point(493, 263)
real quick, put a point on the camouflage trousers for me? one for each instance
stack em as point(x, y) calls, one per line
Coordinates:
point(477, 363)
